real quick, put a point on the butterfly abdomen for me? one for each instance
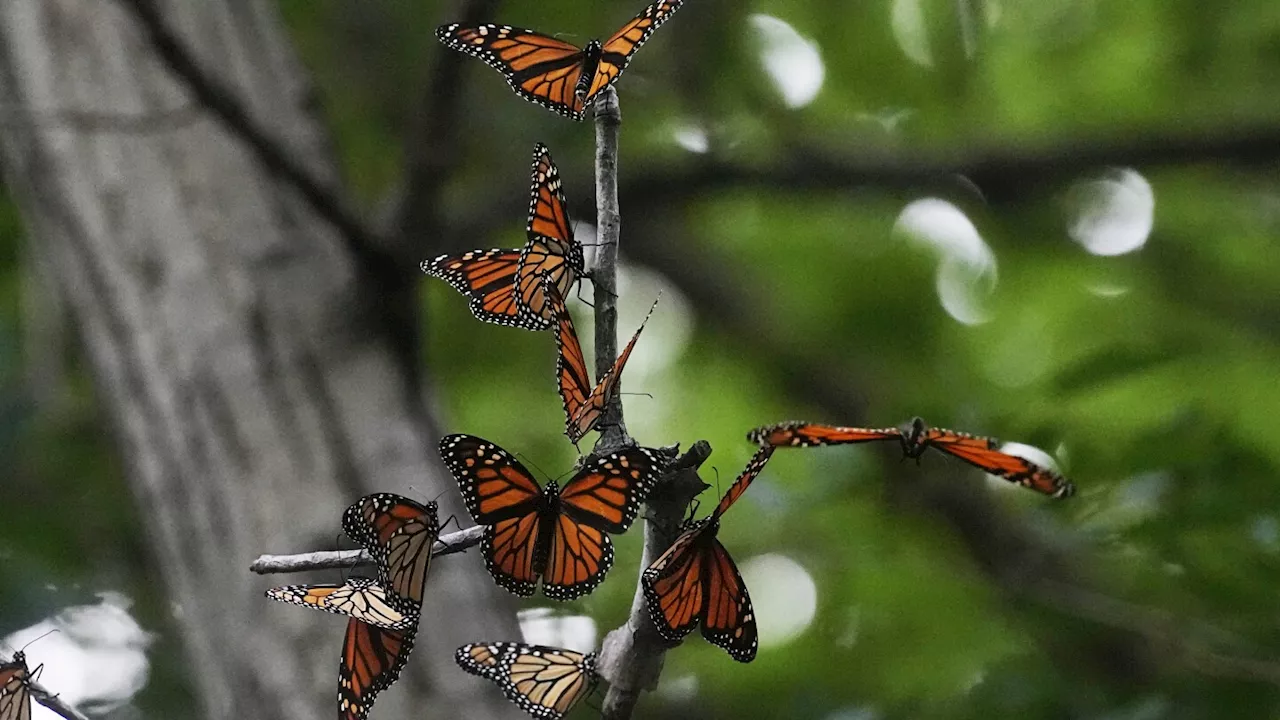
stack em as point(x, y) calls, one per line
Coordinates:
point(590, 61)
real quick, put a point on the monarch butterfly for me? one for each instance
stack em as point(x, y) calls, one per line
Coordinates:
point(372, 658)
point(915, 437)
point(399, 533)
point(583, 404)
point(558, 535)
point(360, 598)
point(695, 581)
point(15, 689)
point(552, 73)
point(545, 682)
point(506, 286)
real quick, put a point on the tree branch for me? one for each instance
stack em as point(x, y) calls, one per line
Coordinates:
point(631, 655)
point(449, 544)
point(604, 275)
point(54, 703)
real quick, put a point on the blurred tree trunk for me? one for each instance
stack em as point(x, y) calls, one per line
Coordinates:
point(256, 382)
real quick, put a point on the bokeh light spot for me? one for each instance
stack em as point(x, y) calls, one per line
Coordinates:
point(792, 61)
point(783, 595)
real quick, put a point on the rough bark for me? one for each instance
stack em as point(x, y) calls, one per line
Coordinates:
point(255, 381)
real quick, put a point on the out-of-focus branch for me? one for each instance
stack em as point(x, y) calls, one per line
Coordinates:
point(1003, 172)
point(55, 703)
point(330, 559)
point(220, 100)
point(631, 655)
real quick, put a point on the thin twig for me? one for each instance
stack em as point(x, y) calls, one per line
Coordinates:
point(330, 559)
point(604, 275)
point(213, 94)
point(54, 703)
point(631, 656)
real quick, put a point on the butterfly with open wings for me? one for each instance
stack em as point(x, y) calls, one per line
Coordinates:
point(557, 535)
point(507, 286)
point(915, 437)
point(552, 73)
point(545, 682)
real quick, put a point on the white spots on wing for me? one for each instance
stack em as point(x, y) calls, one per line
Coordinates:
point(792, 61)
point(1112, 215)
point(966, 275)
point(96, 661)
point(783, 595)
point(546, 626)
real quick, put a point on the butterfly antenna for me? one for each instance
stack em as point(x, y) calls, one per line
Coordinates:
point(525, 458)
point(637, 393)
point(33, 640)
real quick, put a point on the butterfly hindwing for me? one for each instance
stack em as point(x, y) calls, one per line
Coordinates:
point(727, 617)
point(487, 279)
point(803, 434)
point(359, 598)
point(372, 658)
point(617, 51)
point(545, 682)
point(984, 453)
point(540, 68)
point(551, 256)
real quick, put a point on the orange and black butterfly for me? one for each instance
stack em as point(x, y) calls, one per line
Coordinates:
point(399, 533)
point(372, 658)
point(555, 74)
point(557, 535)
point(15, 689)
point(584, 403)
point(359, 598)
point(696, 582)
point(916, 437)
point(506, 286)
point(545, 682)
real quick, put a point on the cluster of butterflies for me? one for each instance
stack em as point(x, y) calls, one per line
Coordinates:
point(554, 537)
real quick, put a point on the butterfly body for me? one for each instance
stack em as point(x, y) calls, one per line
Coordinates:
point(553, 534)
point(15, 689)
point(552, 73)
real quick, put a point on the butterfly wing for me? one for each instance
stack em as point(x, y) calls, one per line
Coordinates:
point(511, 553)
point(727, 617)
point(802, 434)
point(606, 493)
point(551, 256)
point(572, 374)
point(588, 414)
point(15, 689)
point(578, 559)
point(673, 584)
point(540, 68)
point(617, 51)
point(359, 598)
point(399, 533)
point(372, 658)
point(982, 452)
point(749, 473)
point(487, 278)
point(545, 682)
point(494, 485)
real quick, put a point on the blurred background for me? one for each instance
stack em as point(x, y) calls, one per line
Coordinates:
point(1051, 222)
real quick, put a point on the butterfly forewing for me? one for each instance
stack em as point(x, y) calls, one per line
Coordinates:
point(494, 485)
point(511, 553)
point(617, 51)
point(579, 558)
point(673, 585)
point(538, 67)
point(606, 493)
point(545, 682)
point(359, 598)
point(588, 414)
point(803, 434)
point(572, 373)
point(739, 486)
point(399, 533)
point(372, 658)
point(983, 453)
point(480, 658)
point(487, 279)
point(552, 255)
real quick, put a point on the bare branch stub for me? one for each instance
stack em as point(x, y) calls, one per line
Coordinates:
point(55, 703)
point(631, 655)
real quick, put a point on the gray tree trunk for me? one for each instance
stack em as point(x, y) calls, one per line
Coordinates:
point(253, 386)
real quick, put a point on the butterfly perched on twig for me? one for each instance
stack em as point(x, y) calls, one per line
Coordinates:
point(557, 535)
point(555, 74)
point(399, 533)
point(584, 403)
point(915, 437)
point(695, 582)
point(506, 286)
point(545, 682)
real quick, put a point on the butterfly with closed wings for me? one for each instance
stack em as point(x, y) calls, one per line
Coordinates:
point(506, 286)
point(15, 689)
point(695, 582)
point(545, 682)
point(552, 73)
point(557, 535)
point(915, 438)
point(584, 404)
